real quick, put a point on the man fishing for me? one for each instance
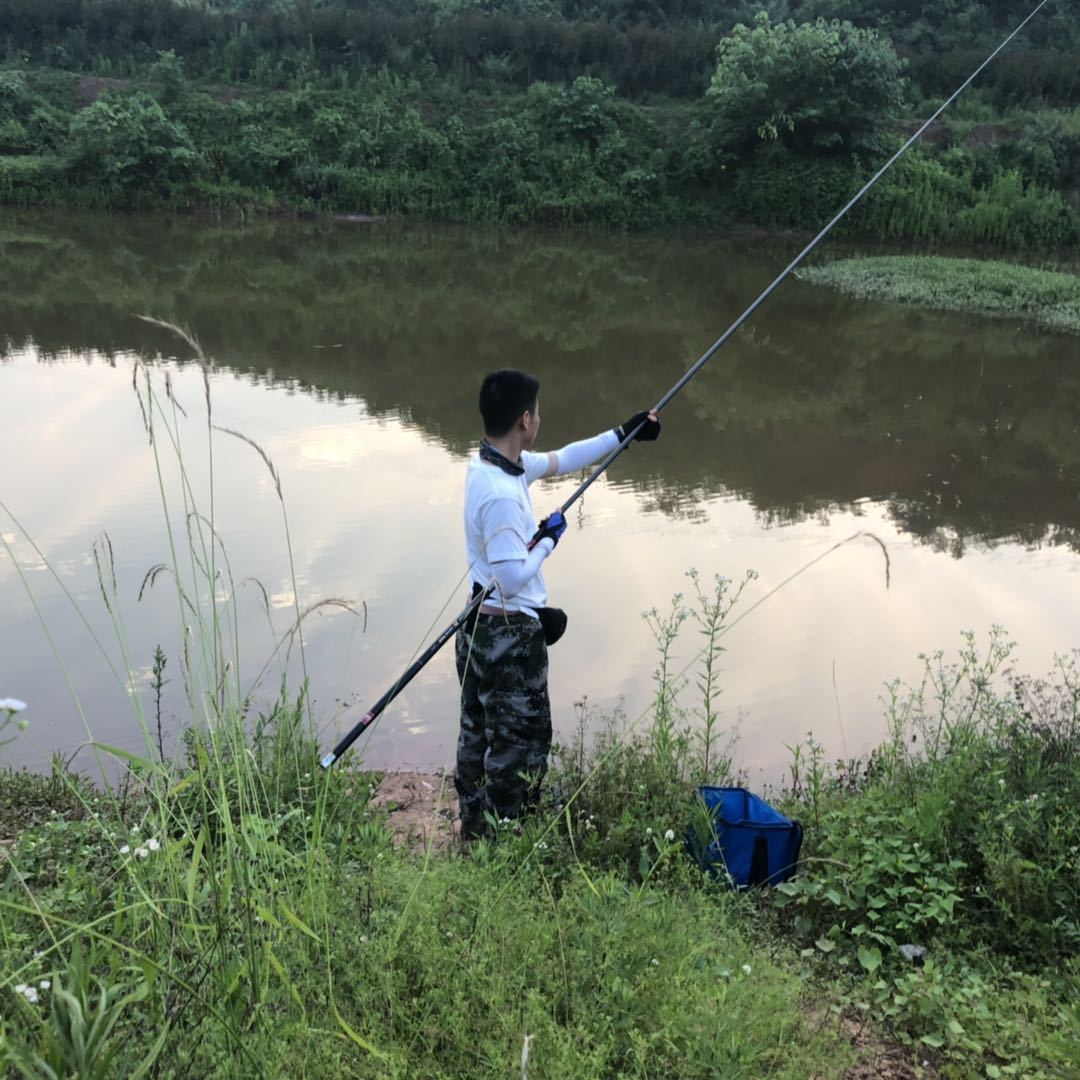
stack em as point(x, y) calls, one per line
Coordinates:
point(502, 664)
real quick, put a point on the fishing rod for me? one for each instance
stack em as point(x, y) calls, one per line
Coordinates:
point(418, 664)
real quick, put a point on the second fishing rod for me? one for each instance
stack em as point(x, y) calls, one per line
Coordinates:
point(628, 435)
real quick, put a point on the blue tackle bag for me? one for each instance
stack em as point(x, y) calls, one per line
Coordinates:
point(754, 843)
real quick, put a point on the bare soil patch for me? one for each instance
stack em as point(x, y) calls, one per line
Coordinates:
point(421, 809)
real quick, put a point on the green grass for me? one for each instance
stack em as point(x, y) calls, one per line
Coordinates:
point(1047, 297)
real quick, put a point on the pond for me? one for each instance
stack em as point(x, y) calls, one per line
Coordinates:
point(351, 354)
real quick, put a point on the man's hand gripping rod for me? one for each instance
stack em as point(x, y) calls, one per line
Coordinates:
point(410, 672)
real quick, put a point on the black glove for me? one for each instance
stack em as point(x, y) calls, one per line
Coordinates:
point(553, 526)
point(649, 432)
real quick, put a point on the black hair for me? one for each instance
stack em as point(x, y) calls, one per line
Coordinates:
point(504, 396)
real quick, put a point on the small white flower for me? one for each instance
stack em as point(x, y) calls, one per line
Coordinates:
point(153, 844)
point(363, 939)
point(134, 830)
point(21, 988)
point(669, 835)
point(45, 984)
point(12, 704)
point(125, 849)
point(725, 974)
point(141, 852)
point(654, 962)
point(39, 953)
point(648, 832)
point(1001, 782)
point(746, 969)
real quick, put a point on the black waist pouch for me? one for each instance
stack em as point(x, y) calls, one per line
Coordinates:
point(553, 620)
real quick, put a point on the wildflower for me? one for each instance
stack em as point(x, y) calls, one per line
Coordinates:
point(669, 835)
point(1001, 781)
point(141, 852)
point(654, 962)
point(11, 705)
point(45, 984)
point(153, 843)
point(746, 969)
point(648, 832)
point(363, 939)
point(28, 992)
point(125, 849)
point(725, 974)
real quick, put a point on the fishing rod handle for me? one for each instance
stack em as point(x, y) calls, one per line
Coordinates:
point(404, 679)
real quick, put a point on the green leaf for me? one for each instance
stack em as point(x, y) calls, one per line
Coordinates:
point(934, 1041)
point(870, 958)
point(956, 1027)
point(124, 755)
point(358, 1038)
point(193, 869)
point(300, 924)
point(825, 945)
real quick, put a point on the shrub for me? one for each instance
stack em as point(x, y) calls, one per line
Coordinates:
point(817, 88)
point(130, 147)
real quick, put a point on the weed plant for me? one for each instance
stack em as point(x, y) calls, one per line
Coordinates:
point(958, 836)
point(1048, 298)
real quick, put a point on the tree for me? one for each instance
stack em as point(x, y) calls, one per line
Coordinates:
point(821, 88)
point(129, 143)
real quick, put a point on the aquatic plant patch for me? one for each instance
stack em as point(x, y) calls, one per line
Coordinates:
point(1050, 298)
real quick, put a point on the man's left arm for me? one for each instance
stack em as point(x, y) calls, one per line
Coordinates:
point(644, 426)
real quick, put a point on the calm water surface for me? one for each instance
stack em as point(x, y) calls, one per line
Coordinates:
point(352, 356)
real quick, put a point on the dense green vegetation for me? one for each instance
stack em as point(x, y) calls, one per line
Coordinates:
point(1047, 297)
point(616, 112)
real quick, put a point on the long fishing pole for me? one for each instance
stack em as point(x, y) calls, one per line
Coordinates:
point(417, 665)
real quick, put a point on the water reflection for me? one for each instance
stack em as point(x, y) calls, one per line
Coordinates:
point(354, 356)
point(966, 427)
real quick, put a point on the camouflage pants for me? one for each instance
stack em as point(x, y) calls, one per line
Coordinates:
point(505, 733)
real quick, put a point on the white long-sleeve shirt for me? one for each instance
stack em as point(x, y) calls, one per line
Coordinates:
point(499, 521)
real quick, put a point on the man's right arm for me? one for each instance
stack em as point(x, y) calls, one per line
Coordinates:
point(513, 564)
